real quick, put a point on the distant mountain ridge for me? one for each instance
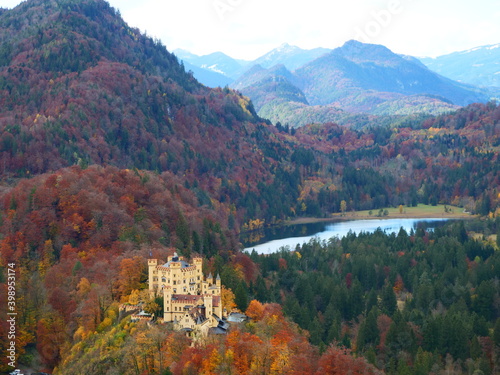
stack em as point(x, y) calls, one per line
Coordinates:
point(208, 77)
point(217, 62)
point(477, 66)
point(356, 78)
point(291, 57)
point(356, 68)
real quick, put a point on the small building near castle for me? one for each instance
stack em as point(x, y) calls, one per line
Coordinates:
point(192, 302)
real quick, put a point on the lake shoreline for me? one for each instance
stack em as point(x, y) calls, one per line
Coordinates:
point(323, 229)
point(408, 213)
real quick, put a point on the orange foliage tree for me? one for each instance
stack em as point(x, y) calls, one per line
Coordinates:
point(255, 310)
point(339, 361)
point(129, 277)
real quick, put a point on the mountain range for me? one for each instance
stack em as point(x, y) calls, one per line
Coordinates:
point(298, 86)
point(292, 57)
point(354, 78)
point(478, 66)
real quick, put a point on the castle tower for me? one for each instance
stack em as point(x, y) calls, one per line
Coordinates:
point(198, 263)
point(218, 292)
point(208, 302)
point(167, 303)
point(153, 275)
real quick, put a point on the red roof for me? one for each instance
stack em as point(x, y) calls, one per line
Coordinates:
point(186, 298)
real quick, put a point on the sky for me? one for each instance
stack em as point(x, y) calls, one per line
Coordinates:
point(247, 29)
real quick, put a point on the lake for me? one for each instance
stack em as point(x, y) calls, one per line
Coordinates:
point(275, 238)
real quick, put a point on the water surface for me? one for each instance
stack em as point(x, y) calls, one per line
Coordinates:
point(276, 238)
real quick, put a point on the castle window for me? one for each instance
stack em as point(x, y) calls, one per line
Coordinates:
point(155, 279)
point(164, 279)
point(174, 282)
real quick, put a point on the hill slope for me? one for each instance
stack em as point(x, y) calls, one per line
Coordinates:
point(122, 99)
point(119, 98)
point(78, 84)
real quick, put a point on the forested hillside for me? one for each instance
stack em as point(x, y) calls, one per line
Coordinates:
point(450, 158)
point(127, 102)
point(110, 153)
point(424, 302)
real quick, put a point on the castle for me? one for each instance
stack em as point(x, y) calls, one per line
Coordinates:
point(191, 302)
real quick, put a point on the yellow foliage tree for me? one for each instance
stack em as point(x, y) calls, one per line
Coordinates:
point(343, 207)
point(210, 364)
point(133, 298)
point(83, 287)
point(48, 257)
point(228, 299)
point(280, 359)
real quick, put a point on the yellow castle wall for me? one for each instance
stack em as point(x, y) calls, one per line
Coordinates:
point(186, 281)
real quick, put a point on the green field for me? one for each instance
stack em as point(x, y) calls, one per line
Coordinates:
point(420, 210)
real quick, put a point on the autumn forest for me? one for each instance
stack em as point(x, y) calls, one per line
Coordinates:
point(111, 153)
